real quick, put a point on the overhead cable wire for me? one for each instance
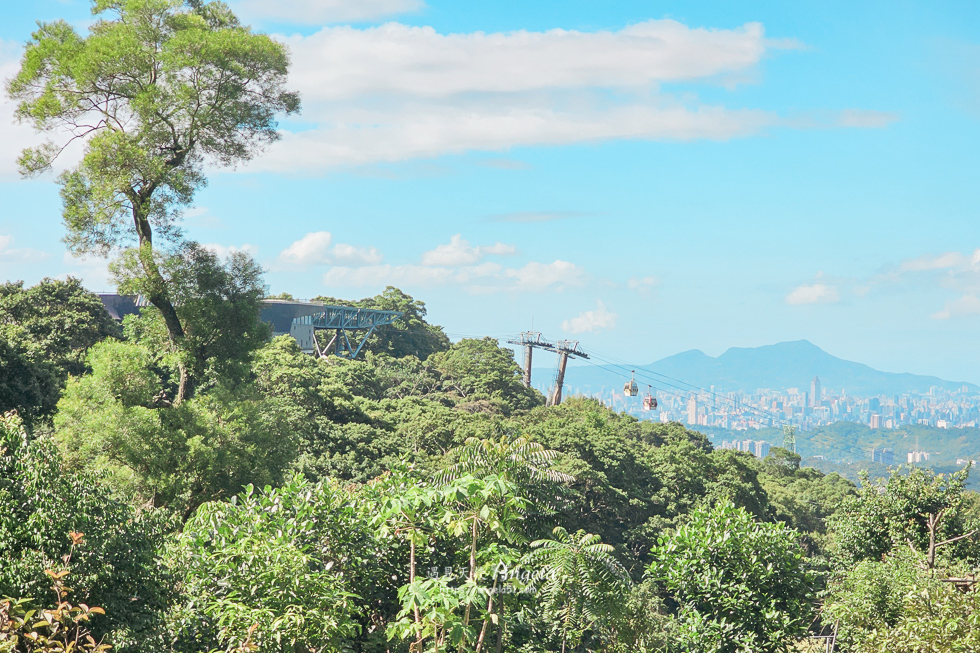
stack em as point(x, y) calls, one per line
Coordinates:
point(757, 412)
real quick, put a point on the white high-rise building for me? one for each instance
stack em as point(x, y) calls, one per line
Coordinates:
point(815, 396)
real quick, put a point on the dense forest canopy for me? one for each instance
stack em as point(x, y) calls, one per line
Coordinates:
point(397, 502)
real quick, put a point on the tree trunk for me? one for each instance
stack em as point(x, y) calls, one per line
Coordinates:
point(500, 628)
point(466, 615)
point(411, 576)
point(160, 298)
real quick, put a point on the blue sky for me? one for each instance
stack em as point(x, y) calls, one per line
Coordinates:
point(644, 177)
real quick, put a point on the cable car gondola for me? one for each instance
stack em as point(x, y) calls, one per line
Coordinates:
point(629, 388)
point(649, 401)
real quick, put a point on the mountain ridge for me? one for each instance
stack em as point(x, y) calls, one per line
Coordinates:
point(779, 366)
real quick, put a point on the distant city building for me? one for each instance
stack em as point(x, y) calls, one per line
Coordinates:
point(917, 457)
point(884, 456)
point(692, 410)
point(815, 396)
point(875, 421)
point(761, 449)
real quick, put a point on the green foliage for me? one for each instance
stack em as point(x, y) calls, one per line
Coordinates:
point(643, 625)
point(802, 497)
point(117, 568)
point(738, 585)
point(410, 335)
point(895, 513)
point(171, 87)
point(218, 304)
point(61, 320)
point(286, 559)
point(27, 385)
point(176, 456)
point(634, 479)
point(583, 584)
point(869, 598)
point(156, 90)
point(55, 629)
point(481, 370)
point(937, 618)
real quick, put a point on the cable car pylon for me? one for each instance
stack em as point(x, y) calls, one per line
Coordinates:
point(566, 349)
point(529, 340)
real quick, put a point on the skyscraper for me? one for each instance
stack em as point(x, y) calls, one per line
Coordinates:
point(692, 410)
point(815, 396)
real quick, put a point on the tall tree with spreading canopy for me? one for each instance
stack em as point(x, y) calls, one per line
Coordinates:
point(156, 90)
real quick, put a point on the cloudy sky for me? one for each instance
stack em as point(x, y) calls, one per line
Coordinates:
point(644, 177)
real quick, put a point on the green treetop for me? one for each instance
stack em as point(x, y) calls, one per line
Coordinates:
point(156, 89)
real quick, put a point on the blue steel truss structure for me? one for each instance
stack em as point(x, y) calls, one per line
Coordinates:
point(342, 320)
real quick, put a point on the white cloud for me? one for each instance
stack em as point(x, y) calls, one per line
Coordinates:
point(955, 271)
point(962, 307)
point(343, 62)
point(316, 248)
point(591, 321)
point(322, 12)
point(866, 119)
point(344, 254)
point(397, 92)
point(359, 136)
point(944, 261)
point(540, 276)
point(459, 252)
point(11, 254)
point(312, 248)
point(485, 277)
point(222, 251)
point(643, 285)
point(817, 293)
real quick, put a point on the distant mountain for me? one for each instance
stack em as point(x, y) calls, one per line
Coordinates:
point(780, 366)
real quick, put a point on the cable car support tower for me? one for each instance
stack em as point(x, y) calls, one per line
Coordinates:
point(565, 349)
point(529, 340)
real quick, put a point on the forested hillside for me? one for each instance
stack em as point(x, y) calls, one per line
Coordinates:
point(407, 503)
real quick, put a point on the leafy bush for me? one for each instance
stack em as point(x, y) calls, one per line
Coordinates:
point(278, 566)
point(118, 568)
point(738, 585)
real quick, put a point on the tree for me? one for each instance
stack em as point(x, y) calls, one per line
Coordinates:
point(582, 584)
point(117, 568)
point(61, 320)
point(117, 421)
point(481, 369)
point(27, 385)
point(217, 302)
point(913, 508)
point(738, 585)
point(287, 559)
point(157, 89)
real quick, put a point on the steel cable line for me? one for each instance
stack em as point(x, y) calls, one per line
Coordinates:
point(757, 412)
point(841, 442)
point(611, 360)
